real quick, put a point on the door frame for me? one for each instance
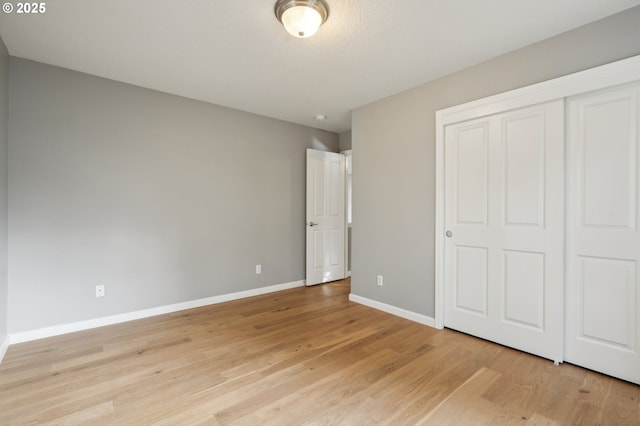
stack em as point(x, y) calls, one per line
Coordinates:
point(620, 72)
point(348, 154)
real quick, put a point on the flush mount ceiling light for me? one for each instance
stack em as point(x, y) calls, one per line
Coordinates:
point(302, 18)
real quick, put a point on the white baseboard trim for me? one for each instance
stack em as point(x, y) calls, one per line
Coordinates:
point(57, 330)
point(394, 310)
point(348, 274)
point(3, 347)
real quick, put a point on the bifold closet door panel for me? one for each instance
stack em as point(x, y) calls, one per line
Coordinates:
point(504, 215)
point(603, 239)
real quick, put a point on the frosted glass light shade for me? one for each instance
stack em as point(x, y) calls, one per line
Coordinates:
point(301, 18)
point(301, 21)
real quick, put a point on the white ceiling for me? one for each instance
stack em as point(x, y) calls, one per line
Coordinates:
point(235, 53)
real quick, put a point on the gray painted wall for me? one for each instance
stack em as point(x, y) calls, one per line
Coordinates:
point(345, 141)
point(4, 140)
point(394, 164)
point(162, 199)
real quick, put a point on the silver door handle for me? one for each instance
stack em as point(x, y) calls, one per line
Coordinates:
point(313, 224)
point(449, 234)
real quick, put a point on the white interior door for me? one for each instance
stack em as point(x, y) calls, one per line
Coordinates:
point(504, 215)
point(326, 218)
point(603, 250)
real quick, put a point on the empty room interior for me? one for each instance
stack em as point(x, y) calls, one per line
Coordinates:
point(320, 212)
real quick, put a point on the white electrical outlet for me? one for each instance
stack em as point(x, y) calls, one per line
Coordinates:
point(99, 291)
point(380, 280)
point(258, 269)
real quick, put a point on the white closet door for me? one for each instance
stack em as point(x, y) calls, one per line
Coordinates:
point(504, 212)
point(603, 288)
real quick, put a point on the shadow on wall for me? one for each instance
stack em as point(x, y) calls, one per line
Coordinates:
point(322, 140)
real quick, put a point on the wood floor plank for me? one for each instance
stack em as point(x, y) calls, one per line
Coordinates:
point(86, 416)
point(301, 356)
point(466, 405)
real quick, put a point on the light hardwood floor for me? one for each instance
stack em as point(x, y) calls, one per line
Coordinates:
point(301, 356)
